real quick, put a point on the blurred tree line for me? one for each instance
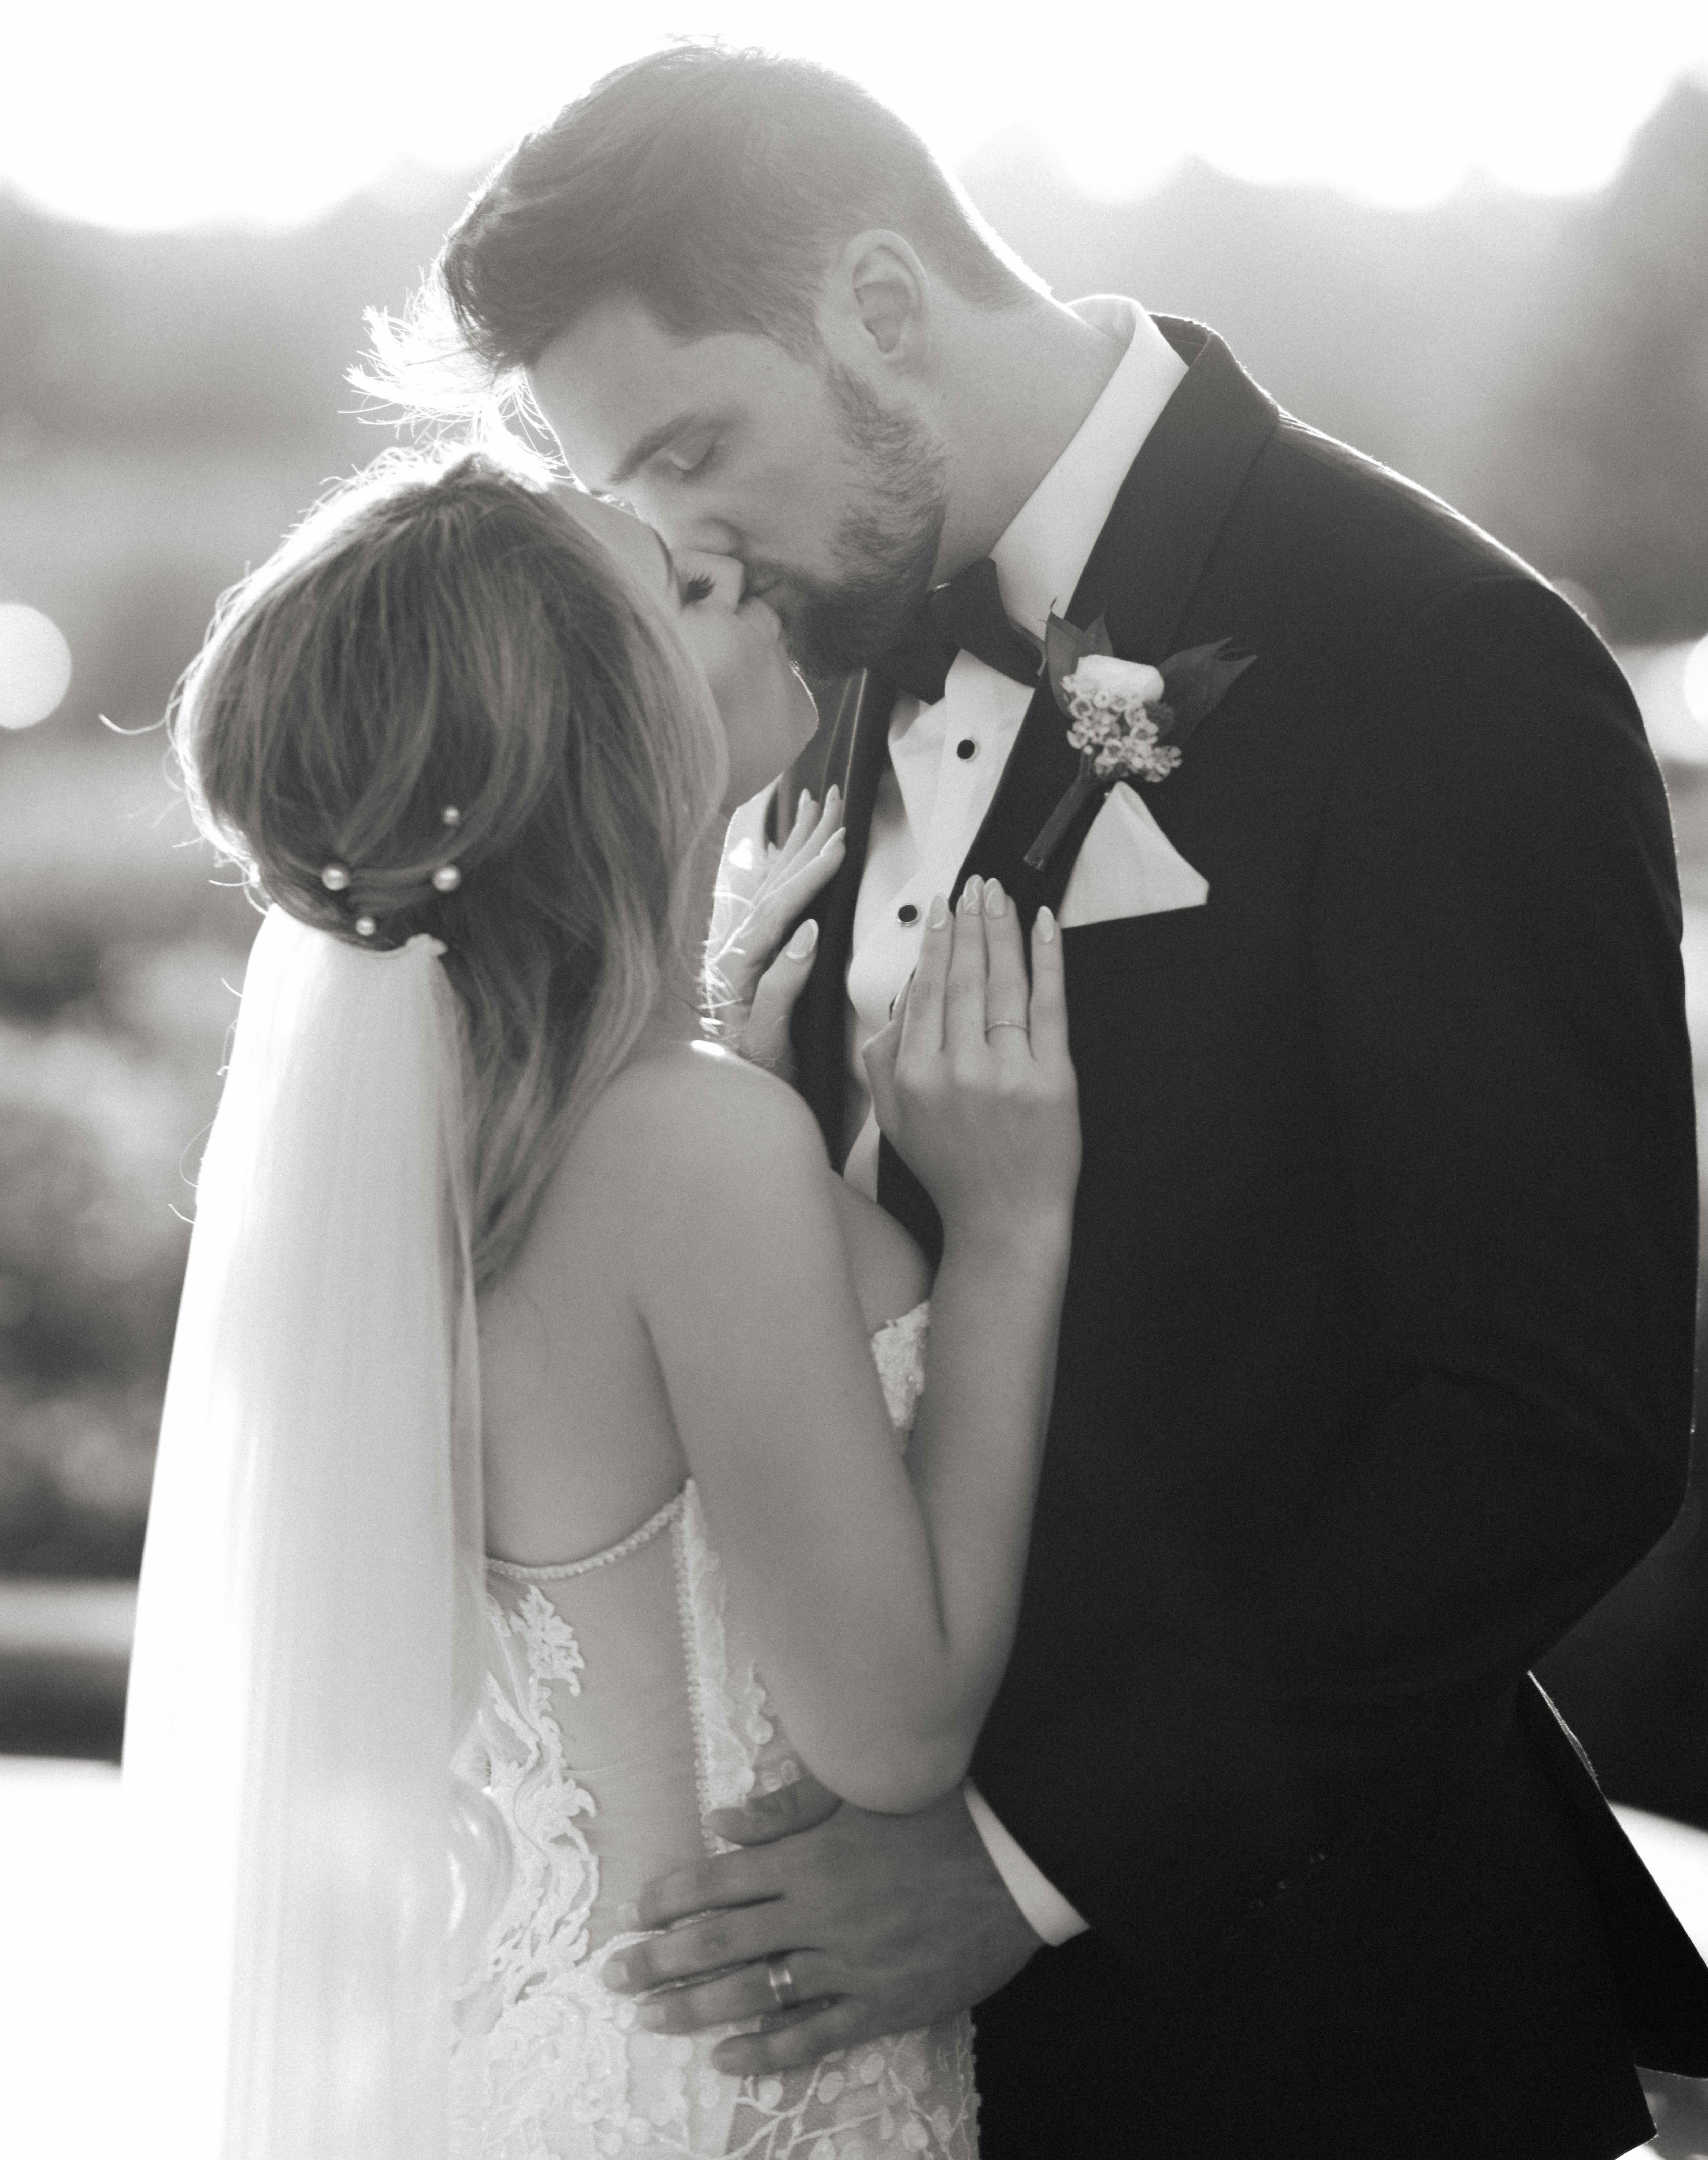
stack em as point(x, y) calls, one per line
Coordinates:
point(168, 404)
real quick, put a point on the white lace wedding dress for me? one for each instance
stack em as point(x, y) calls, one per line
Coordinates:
point(625, 1706)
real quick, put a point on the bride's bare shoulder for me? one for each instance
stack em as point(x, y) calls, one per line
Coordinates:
point(685, 1091)
point(691, 1124)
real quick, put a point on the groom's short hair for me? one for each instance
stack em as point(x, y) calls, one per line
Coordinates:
point(715, 186)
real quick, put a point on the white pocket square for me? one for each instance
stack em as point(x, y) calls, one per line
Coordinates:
point(1127, 866)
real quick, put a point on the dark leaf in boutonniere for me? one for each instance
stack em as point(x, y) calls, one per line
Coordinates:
point(1065, 646)
point(1194, 682)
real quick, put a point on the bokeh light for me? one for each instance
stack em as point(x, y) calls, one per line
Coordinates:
point(35, 665)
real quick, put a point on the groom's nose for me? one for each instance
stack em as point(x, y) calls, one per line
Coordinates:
point(691, 528)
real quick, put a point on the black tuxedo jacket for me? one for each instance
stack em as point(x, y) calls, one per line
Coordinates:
point(1376, 1357)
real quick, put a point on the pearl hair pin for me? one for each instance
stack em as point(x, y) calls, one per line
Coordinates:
point(337, 877)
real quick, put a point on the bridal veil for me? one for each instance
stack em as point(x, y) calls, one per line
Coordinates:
point(310, 1619)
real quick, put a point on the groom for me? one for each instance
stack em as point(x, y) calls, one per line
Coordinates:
point(1375, 1365)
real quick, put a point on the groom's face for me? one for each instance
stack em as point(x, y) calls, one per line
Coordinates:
point(830, 494)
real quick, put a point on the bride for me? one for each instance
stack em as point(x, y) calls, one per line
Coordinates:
point(542, 1400)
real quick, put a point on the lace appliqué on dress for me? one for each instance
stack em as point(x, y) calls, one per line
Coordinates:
point(519, 2055)
point(735, 1733)
point(898, 1351)
point(545, 2066)
point(906, 2097)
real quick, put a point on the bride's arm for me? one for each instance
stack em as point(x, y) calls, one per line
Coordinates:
point(884, 1614)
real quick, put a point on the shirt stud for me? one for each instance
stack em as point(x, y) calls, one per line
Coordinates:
point(965, 747)
point(907, 913)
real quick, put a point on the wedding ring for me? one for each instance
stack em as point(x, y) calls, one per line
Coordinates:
point(783, 1992)
point(996, 1023)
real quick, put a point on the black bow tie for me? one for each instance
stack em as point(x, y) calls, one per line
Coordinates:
point(964, 615)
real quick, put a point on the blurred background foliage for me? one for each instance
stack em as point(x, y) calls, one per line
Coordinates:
point(169, 403)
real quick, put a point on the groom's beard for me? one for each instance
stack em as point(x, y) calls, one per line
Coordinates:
point(886, 547)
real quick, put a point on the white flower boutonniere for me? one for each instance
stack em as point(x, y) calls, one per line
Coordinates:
point(1119, 711)
point(1127, 719)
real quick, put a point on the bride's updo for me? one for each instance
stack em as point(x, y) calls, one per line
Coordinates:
point(441, 707)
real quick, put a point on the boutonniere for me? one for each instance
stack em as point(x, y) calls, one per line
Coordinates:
point(1127, 719)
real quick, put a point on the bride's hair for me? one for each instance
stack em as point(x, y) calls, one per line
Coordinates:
point(437, 637)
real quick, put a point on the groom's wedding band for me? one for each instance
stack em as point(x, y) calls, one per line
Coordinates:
point(783, 1992)
point(996, 1023)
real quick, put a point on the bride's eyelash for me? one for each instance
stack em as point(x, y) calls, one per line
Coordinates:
point(697, 588)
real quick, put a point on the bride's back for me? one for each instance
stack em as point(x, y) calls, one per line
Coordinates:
point(580, 1443)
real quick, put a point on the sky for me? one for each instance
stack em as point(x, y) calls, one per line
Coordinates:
point(240, 112)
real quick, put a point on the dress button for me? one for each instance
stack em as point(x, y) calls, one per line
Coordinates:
point(965, 747)
point(907, 913)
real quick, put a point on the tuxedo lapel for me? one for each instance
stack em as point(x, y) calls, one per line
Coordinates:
point(1178, 489)
point(1140, 577)
point(818, 1027)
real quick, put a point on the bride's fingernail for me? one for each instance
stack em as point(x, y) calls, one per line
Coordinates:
point(801, 807)
point(1047, 926)
point(614, 1972)
point(996, 901)
point(937, 914)
point(970, 896)
point(804, 939)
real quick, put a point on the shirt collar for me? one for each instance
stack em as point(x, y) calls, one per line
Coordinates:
point(1040, 556)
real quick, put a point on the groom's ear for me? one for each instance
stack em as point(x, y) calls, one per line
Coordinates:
point(878, 301)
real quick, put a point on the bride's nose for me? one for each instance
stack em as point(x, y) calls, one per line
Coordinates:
point(725, 572)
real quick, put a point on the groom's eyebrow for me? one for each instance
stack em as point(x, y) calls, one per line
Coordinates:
point(650, 444)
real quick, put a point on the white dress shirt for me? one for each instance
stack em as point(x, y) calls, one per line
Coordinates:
point(945, 761)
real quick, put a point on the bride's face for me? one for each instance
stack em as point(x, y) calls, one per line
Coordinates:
point(766, 710)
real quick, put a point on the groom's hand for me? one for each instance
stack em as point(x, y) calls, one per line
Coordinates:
point(887, 1923)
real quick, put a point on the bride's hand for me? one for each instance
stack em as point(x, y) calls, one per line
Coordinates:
point(754, 986)
point(971, 1081)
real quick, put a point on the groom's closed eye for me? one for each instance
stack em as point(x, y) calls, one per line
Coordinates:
point(682, 442)
point(692, 455)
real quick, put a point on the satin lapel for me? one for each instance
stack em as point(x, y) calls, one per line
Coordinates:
point(1153, 549)
point(1140, 576)
point(819, 1024)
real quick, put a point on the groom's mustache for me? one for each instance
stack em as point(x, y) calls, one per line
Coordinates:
point(832, 628)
